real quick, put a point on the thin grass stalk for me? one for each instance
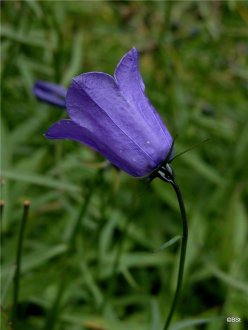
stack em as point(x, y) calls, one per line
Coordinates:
point(17, 273)
point(1, 209)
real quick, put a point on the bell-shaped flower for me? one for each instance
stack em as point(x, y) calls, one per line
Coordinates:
point(113, 116)
point(50, 93)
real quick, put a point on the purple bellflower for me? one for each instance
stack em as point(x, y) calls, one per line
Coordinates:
point(50, 93)
point(113, 116)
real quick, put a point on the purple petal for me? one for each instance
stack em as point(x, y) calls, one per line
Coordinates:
point(51, 87)
point(127, 70)
point(95, 99)
point(66, 129)
point(50, 93)
point(110, 143)
point(129, 80)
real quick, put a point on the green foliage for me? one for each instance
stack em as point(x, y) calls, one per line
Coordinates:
point(117, 270)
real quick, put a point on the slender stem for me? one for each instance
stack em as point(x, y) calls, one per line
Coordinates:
point(182, 253)
point(18, 259)
point(1, 209)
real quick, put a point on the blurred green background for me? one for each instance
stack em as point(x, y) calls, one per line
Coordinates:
point(106, 274)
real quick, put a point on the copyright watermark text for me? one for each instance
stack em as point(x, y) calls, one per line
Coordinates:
point(233, 319)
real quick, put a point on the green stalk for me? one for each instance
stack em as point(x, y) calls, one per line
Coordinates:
point(26, 206)
point(1, 209)
point(182, 254)
point(165, 173)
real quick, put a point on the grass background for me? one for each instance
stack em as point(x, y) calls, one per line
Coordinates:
point(105, 274)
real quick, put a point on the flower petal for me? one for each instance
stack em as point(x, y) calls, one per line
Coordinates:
point(51, 87)
point(127, 70)
point(50, 93)
point(121, 151)
point(129, 80)
point(67, 129)
point(94, 98)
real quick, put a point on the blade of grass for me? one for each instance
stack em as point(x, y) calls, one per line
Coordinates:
point(168, 243)
point(188, 324)
point(228, 279)
point(31, 40)
point(17, 273)
point(40, 180)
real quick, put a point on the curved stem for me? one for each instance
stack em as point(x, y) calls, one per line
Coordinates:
point(182, 253)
